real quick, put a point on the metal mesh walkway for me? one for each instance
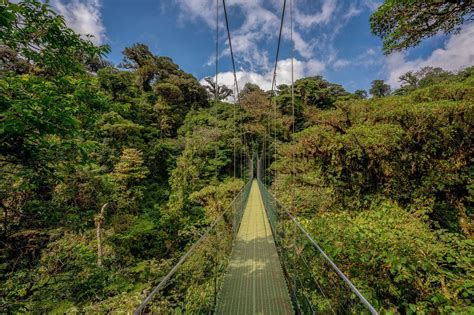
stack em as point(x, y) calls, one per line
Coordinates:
point(254, 283)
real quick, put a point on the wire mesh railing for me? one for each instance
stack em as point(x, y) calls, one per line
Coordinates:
point(192, 285)
point(316, 284)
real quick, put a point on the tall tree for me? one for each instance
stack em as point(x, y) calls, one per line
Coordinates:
point(409, 80)
point(222, 91)
point(136, 56)
point(429, 75)
point(317, 92)
point(250, 87)
point(404, 23)
point(362, 94)
point(140, 58)
point(424, 77)
point(379, 88)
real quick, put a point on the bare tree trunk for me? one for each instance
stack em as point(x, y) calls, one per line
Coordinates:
point(99, 219)
point(5, 219)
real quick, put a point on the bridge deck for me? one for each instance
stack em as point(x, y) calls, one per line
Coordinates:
point(254, 283)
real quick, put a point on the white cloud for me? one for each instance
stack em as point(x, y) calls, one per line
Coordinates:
point(371, 52)
point(325, 16)
point(372, 4)
point(457, 53)
point(194, 9)
point(353, 11)
point(255, 25)
point(341, 63)
point(303, 47)
point(329, 27)
point(259, 26)
point(314, 67)
point(369, 57)
point(83, 16)
point(301, 69)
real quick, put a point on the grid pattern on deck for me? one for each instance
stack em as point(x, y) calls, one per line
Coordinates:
point(254, 283)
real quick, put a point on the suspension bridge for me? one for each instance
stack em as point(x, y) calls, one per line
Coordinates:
point(255, 257)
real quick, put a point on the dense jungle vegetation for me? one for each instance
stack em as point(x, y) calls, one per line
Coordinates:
point(139, 158)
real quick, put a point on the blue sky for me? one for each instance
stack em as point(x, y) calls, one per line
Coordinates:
point(332, 38)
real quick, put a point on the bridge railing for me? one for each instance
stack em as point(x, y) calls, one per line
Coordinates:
point(316, 284)
point(192, 284)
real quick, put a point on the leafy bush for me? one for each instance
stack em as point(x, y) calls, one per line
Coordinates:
point(397, 259)
point(385, 186)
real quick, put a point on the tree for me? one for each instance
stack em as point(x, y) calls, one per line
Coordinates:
point(317, 92)
point(99, 220)
point(127, 174)
point(222, 91)
point(170, 93)
point(40, 118)
point(258, 111)
point(117, 83)
point(283, 88)
point(136, 56)
point(403, 23)
point(149, 69)
point(256, 101)
point(139, 58)
point(409, 80)
point(379, 88)
point(194, 94)
point(424, 77)
point(429, 75)
point(249, 87)
point(35, 38)
point(362, 94)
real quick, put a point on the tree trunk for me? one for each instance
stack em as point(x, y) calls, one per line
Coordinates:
point(99, 219)
point(5, 219)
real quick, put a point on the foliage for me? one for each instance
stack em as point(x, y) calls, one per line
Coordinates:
point(362, 94)
point(379, 88)
point(405, 23)
point(223, 91)
point(429, 76)
point(40, 117)
point(250, 87)
point(407, 267)
point(72, 141)
point(384, 185)
point(33, 38)
point(127, 174)
point(317, 92)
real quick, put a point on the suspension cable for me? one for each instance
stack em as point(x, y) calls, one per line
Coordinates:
point(278, 48)
point(274, 75)
point(231, 50)
point(216, 100)
point(293, 171)
point(235, 134)
point(216, 88)
point(242, 143)
point(292, 67)
point(233, 68)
